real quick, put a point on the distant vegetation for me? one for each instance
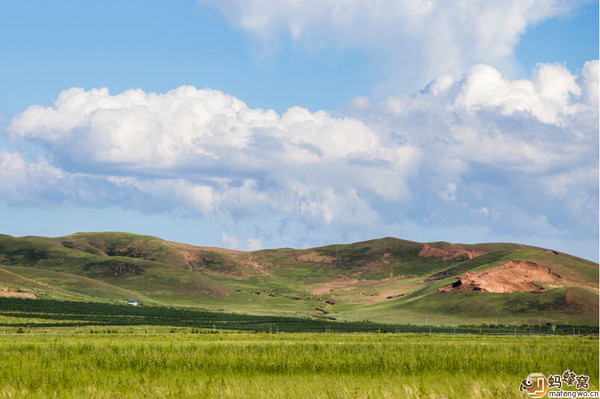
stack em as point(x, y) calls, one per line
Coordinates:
point(17, 313)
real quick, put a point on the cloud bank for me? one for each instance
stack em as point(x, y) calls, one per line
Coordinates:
point(421, 39)
point(513, 158)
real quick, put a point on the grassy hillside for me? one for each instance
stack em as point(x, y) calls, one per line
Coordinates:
point(386, 280)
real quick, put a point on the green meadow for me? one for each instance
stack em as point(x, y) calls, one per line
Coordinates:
point(160, 362)
point(363, 320)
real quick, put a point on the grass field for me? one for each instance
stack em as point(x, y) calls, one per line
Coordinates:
point(133, 362)
point(216, 323)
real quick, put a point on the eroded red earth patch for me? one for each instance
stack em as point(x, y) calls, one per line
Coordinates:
point(513, 276)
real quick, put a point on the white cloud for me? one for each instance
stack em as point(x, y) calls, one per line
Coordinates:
point(547, 96)
point(138, 129)
point(517, 125)
point(23, 182)
point(500, 147)
point(232, 242)
point(485, 152)
point(421, 39)
point(38, 183)
point(210, 153)
point(188, 126)
point(590, 77)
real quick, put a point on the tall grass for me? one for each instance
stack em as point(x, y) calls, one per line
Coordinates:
point(284, 365)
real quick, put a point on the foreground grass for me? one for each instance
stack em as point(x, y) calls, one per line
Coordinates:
point(132, 365)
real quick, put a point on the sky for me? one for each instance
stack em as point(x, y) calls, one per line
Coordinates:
point(265, 124)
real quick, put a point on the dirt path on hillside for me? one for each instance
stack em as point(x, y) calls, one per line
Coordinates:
point(428, 252)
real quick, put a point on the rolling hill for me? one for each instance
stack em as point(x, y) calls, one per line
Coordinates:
point(384, 280)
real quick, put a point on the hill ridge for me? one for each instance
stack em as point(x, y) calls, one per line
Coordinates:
point(385, 279)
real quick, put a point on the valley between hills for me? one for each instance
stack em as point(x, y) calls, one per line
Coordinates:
point(385, 280)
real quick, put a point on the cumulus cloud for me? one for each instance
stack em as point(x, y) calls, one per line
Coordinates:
point(484, 152)
point(492, 146)
point(211, 153)
point(548, 96)
point(420, 39)
point(188, 126)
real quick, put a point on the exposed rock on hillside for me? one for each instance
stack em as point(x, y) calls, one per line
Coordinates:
point(513, 276)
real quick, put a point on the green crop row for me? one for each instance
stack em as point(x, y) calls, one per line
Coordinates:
point(38, 313)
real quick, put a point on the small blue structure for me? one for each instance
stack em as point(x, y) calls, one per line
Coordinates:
point(132, 303)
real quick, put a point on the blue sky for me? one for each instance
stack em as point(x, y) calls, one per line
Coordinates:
point(261, 124)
